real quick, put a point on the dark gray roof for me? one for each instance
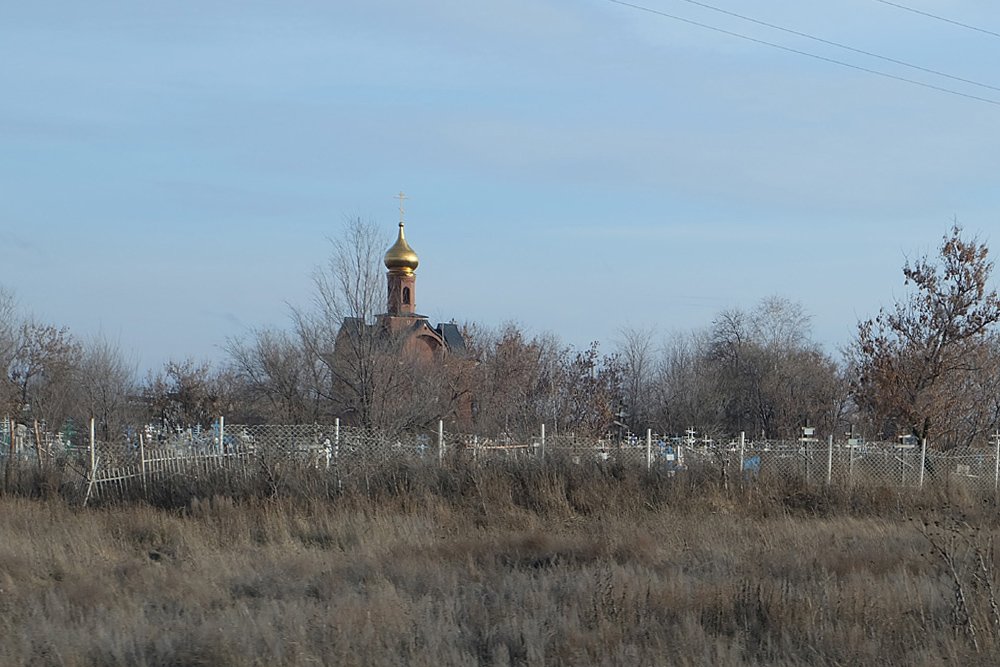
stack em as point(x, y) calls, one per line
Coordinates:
point(449, 331)
point(452, 336)
point(352, 326)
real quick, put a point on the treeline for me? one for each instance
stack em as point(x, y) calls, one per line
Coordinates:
point(927, 367)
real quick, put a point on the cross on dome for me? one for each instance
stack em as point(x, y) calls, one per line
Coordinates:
point(401, 257)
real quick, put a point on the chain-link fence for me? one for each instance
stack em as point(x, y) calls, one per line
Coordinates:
point(855, 464)
point(145, 455)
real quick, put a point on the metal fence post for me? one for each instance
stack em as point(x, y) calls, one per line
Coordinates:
point(829, 459)
point(142, 460)
point(222, 434)
point(93, 464)
point(923, 460)
point(336, 451)
point(649, 448)
point(9, 467)
point(543, 441)
point(440, 440)
point(743, 451)
point(93, 454)
point(38, 444)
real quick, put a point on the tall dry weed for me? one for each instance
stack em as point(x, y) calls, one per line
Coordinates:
point(496, 564)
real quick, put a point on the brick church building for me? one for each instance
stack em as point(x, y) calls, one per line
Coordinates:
point(422, 341)
point(369, 353)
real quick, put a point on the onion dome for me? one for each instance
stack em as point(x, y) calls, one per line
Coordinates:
point(400, 257)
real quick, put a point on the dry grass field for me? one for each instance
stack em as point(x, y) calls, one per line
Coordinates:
point(502, 565)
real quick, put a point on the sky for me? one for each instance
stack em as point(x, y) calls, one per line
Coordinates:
point(172, 173)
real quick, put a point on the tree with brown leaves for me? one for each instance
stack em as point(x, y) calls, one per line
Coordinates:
point(918, 364)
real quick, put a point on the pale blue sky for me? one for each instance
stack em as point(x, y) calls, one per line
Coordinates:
point(170, 172)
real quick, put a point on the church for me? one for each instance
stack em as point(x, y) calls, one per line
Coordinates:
point(397, 370)
point(418, 339)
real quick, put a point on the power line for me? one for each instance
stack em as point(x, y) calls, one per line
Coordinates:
point(939, 18)
point(842, 46)
point(807, 54)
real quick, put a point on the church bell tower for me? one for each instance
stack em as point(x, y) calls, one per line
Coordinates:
point(401, 262)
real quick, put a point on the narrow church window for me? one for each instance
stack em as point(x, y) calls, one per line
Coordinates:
point(406, 296)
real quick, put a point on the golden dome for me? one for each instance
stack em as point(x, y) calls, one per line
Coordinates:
point(400, 256)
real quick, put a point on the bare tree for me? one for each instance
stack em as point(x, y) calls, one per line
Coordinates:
point(277, 378)
point(43, 372)
point(915, 364)
point(51, 377)
point(756, 371)
point(684, 387)
point(107, 386)
point(590, 385)
point(338, 331)
point(778, 323)
point(769, 375)
point(519, 382)
point(185, 394)
point(513, 379)
point(637, 355)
